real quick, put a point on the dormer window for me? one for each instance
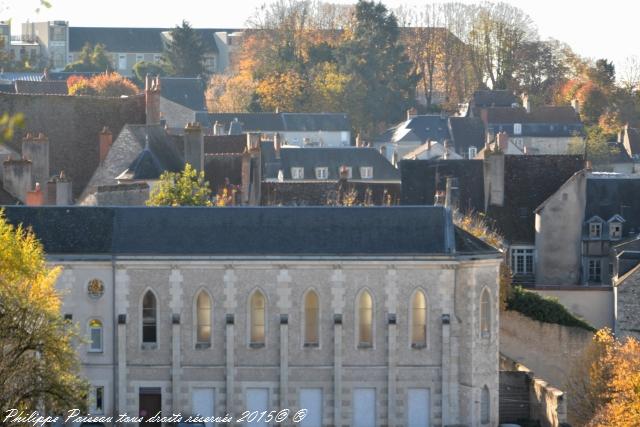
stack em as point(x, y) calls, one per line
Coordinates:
point(595, 230)
point(615, 230)
point(322, 173)
point(297, 173)
point(473, 151)
point(366, 172)
point(517, 128)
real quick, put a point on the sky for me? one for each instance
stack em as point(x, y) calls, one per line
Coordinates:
point(593, 28)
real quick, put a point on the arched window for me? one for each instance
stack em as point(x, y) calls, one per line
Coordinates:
point(419, 320)
point(149, 318)
point(365, 320)
point(311, 320)
point(257, 319)
point(485, 314)
point(485, 407)
point(95, 332)
point(203, 319)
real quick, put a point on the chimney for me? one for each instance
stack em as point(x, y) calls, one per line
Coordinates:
point(235, 127)
point(588, 166)
point(194, 146)
point(503, 141)
point(59, 191)
point(35, 197)
point(358, 140)
point(526, 103)
point(36, 149)
point(576, 105)
point(152, 99)
point(253, 141)
point(451, 193)
point(277, 145)
point(105, 140)
point(218, 128)
point(493, 175)
point(17, 177)
point(445, 155)
point(411, 113)
point(344, 172)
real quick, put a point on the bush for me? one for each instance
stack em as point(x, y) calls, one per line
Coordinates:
point(112, 85)
point(543, 309)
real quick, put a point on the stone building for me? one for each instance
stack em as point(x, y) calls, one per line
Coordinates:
point(216, 311)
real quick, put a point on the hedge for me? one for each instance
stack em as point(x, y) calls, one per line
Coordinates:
point(543, 309)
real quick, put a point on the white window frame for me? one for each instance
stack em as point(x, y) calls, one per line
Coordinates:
point(122, 56)
point(517, 128)
point(527, 253)
point(322, 172)
point(595, 230)
point(139, 57)
point(366, 172)
point(197, 343)
point(297, 173)
point(613, 233)
point(473, 152)
point(93, 349)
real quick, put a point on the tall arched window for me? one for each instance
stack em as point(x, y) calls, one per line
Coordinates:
point(485, 314)
point(149, 318)
point(365, 320)
point(95, 332)
point(419, 320)
point(257, 319)
point(485, 406)
point(203, 319)
point(311, 319)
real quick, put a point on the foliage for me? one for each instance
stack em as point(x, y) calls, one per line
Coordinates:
point(143, 68)
point(91, 59)
point(39, 366)
point(186, 188)
point(8, 124)
point(112, 85)
point(543, 309)
point(184, 53)
point(594, 146)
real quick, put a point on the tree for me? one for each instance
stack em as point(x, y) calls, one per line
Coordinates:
point(184, 52)
point(381, 87)
point(91, 59)
point(39, 366)
point(603, 74)
point(594, 146)
point(111, 85)
point(186, 188)
point(142, 68)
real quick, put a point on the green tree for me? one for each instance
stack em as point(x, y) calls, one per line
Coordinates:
point(603, 73)
point(39, 365)
point(186, 188)
point(142, 68)
point(594, 146)
point(184, 52)
point(381, 87)
point(91, 59)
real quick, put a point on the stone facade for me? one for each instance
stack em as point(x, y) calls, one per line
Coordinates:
point(455, 365)
point(627, 305)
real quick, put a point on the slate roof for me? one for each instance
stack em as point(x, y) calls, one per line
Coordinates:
point(611, 194)
point(133, 39)
point(246, 231)
point(6, 198)
point(225, 144)
point(278, 122)
point(544, 114)
point(493, 98)
point(13, 76)
point(528, 181)
point(185, 91)
point(633, 139)
point(57, 87)
point(417, 129)
point(332, 158)
point(466, 132)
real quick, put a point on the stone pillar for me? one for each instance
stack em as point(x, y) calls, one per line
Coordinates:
point(59, 191)
point(194, 146)
point(36, 149)
point(230, 305)
point(337, 304)
point(175, 289)
point(121, 286)
point(17, 177)
point(152, 100)
point(392, 338)
point(446, 371)
point(284, 305)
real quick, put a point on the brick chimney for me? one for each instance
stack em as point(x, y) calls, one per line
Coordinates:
point(36, 149)
point(253, 141)
point(152, 99)
point(194, 146)
point(502, 140)
point(35, 197)
point(17, 177)
point(105, 139)
point(277, 145)
point(59, 191)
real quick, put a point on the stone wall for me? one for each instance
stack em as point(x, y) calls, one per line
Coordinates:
point(592, 303)
point(627, 297)
point(72, 124)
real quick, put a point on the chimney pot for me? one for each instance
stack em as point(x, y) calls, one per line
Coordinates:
point(105, 140)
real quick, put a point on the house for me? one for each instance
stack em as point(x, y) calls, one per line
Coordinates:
point(538, 130)
point(504, 189)
point(220, 311)
point(483, 99)
point(577, 226)
point(44, 87)
point(433, 150)
point(320, 176)
point(467, 135)
point(300, 129)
